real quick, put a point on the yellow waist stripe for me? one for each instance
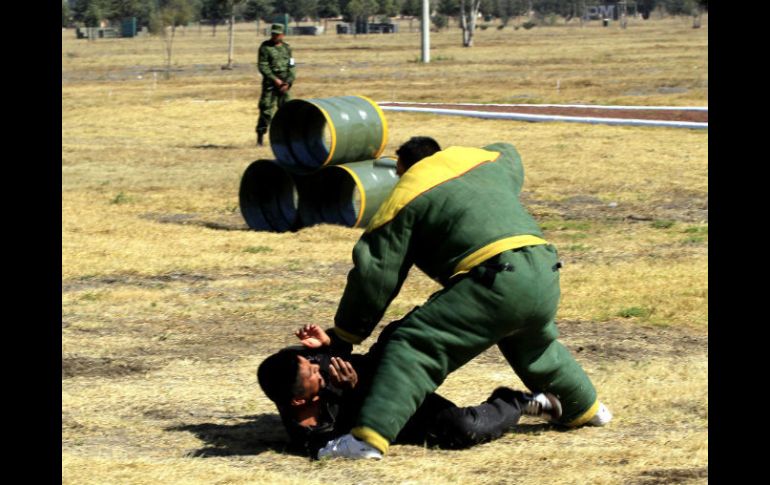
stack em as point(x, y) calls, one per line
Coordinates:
point(497, 247)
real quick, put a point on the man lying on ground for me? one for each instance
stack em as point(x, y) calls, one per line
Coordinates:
point(318, 396)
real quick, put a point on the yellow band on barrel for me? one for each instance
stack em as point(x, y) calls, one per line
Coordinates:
point(384, 126)
point(333, 134)
point(360, 191)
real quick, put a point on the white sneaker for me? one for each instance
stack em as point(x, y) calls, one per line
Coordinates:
point(602, 416)
point(347, 446)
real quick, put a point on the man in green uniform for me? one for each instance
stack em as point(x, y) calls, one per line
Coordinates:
point(456, 215)
point(276, 64)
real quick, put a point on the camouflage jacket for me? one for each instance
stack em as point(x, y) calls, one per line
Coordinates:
point(276, 61)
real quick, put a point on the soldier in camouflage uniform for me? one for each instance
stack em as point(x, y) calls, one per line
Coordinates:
point(276, 64)
point(456, 215)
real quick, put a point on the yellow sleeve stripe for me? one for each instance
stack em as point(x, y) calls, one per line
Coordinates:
point(428, 173)
point(384, 126)
point(372, 437)
point(348, 337)
point(586, 416)
point(497, 247)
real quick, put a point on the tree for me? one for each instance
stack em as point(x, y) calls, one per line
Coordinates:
point(299, 9)
point(164, 21)
point(66, 15)
point(543, 8)
point(358, 11)
point(469, 11)
point(507, 9)
point(679, 7)
point(388, 8)
point(91, 12)
point(256, 10)
point(94, 14)
point(229, 9)
point(450, 8)
point(411, 8)
point(214, 12)
point(328, 9)
point(141, 9)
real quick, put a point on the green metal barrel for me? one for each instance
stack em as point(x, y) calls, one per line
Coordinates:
point(308, 134)
point(508, 152)
point(347, 194)
point(268, 197)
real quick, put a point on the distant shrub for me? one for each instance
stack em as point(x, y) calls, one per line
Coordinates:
point(440, 21)
point(662, 223)
point(484, 26)
point(635, 312)
point(528, 24)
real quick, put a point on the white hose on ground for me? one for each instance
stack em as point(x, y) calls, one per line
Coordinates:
point(533, 117)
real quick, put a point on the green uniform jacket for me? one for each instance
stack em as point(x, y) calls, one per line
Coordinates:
point(448, 213)
point(276, 61)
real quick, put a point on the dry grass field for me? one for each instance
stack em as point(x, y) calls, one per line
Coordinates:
point(169, 303)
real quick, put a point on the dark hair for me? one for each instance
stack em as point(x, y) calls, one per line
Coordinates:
point(277, 376)
point(417, 148)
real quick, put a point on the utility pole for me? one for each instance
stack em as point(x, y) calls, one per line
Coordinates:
point(425, 24)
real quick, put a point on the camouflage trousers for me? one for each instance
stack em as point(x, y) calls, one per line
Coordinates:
point(270, 97)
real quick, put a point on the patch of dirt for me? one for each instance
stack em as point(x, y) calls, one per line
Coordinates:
point(622, 341)
point(100, 367)
point(617, 340)
point(634, 114)
point(670, 476)
point(230, 222)
point(680, 206)
point(210, 146)
point(132, 280)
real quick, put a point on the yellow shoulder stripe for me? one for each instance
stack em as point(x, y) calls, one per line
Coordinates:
point(426, 174)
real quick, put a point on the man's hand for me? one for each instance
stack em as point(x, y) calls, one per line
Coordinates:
point(278, 82)
point(342, 374)
point(312, 336)
point(284, 88)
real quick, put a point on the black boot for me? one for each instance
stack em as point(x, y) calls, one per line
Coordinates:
point(260, 139)
point(542, 405)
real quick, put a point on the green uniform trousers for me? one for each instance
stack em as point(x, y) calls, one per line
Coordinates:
point(270, 97)
point(462, 320)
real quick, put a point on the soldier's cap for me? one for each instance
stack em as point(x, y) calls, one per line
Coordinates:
point(276, 29)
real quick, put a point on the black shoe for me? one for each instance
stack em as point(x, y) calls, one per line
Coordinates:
point(260, 139)
point(542, 405)
point(545, 406)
